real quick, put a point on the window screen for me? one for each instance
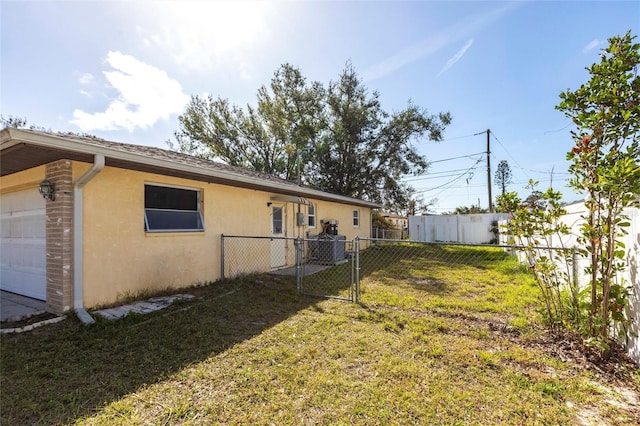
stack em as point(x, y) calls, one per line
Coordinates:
point(312, 216)
point(168, 209)
point(277, 220)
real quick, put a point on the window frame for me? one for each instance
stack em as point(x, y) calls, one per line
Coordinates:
point(356, 218)
point(198, 216)
point(273, 220)
point(311, 215)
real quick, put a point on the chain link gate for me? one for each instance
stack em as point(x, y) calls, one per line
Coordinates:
point(324, 267)
point(329, 268)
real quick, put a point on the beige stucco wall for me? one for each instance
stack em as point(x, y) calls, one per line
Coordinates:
point(26, 179)
point(344, 215)
point(120, 258)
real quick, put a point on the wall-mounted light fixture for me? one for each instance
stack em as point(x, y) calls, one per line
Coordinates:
point(269, 204)
point(47, 190)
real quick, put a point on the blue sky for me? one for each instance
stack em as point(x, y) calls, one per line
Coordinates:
point(124, 70)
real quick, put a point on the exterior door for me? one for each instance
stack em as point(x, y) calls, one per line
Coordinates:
point(278, 244)
point(23, 260)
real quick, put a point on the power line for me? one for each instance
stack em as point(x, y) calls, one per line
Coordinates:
point(548, 172)
point(451, 181)
point(458, 137)
point(481, 185)
point(509, 154)
point(432, 175)
point(455, 158)
point(559, 130)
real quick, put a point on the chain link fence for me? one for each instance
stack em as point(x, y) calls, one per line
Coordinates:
point(333, 267)
point(389, 234)
point(324, 266)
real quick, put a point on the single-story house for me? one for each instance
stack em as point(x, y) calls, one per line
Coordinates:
point(398, 221)
point(85, 220)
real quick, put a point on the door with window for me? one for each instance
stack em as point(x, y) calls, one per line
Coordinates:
point(278, 244)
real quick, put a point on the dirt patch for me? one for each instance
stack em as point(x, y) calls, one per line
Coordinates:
point(27, 321)
point(614, 367)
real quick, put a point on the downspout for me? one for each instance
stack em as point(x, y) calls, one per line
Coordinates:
point(78, 303)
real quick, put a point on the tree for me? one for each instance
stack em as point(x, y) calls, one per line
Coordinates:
point(417, 205)
point(345, 142)
point(380, 222)
point(507, 202)
point(470, 210)
point(22, 123)
point(269, 138)
point(605, 164)
point(503, 175)
point(19, 123)
point(365, 151)
point(534, 229)
point(535, 200)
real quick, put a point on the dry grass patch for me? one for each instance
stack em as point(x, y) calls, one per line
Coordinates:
point(252, 351)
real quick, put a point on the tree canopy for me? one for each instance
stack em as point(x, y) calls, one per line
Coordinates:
point(503, 176)
point(605, 164)
point(345, 141)
point(266, 137)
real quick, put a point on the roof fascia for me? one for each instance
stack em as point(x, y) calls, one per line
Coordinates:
point(11, 136)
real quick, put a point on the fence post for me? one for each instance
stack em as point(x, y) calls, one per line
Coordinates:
point(298, 244)
point(357, 250)
point(575, 270)
point(222, 257)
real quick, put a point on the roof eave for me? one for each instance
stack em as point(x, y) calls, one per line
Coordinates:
point(11, 136)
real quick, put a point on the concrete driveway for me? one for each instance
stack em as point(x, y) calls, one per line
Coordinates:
point(14, 306)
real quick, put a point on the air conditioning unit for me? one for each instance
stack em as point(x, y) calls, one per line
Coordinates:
point(331, 248)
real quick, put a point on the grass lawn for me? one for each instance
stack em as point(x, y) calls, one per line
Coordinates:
point(442, 336)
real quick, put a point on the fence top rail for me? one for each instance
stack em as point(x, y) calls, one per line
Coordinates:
point(442, 243)
point(256, 237)
point(381, 240)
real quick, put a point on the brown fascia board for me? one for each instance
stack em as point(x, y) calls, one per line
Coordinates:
point(82, 147)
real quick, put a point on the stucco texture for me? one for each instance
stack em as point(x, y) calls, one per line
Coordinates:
point(121, 259)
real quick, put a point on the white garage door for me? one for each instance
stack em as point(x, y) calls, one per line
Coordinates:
point(23, 261)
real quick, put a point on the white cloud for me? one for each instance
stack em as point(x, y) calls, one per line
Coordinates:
point(146, 95)
point(592, 45)
point(244, 72)
point(206, 34)
point(434, 43)
point(86, 78)
point(455, 58)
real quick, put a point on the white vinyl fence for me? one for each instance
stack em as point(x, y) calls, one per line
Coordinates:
point(631, 277)
point(460, 228)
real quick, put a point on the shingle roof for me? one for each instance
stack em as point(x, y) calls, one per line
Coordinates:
point(173, 156)
point(162, 159)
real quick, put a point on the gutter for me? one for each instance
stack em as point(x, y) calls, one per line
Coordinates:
point(78, 284)
point(10, 137)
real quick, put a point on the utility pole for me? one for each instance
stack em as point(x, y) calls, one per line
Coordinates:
point(298, 152)
point(489, 170)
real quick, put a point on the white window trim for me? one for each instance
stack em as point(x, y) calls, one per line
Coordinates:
point(282, 220)
point(356, 217)
point(314, 215)
point(199, 211)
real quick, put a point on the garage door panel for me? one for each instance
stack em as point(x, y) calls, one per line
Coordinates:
point(23, 281)
point(20, 253)
point(23, 243)
point(31, 226)
point(20, 201)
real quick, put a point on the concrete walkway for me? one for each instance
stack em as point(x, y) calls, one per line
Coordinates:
point(142, 307)
point(307, 269)
point(16, 307)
